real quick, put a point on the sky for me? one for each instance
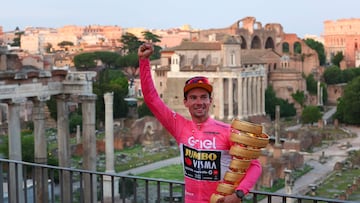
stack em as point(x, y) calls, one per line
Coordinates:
point(298, 17)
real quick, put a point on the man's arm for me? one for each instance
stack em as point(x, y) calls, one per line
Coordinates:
point(162, 112)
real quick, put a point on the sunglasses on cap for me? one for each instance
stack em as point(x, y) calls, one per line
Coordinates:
point(196, 80)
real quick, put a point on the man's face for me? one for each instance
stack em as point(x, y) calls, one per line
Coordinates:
point(198, 102)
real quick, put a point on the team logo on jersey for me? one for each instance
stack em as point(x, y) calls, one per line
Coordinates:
point(203, 144)
point(201, 164)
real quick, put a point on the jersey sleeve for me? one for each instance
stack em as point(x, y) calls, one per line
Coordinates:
point(168, 118)
point(251, 177)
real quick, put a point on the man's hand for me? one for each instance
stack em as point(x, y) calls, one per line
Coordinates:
point(145, 50)
point(229, 199)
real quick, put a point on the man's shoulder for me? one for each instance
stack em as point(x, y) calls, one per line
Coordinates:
point(220, 123)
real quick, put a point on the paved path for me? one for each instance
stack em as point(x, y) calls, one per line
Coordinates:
point(153, 166)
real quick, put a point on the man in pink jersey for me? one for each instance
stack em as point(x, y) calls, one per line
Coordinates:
point(204, 142)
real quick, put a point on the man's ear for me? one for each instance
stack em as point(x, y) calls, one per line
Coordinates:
point(185, 102)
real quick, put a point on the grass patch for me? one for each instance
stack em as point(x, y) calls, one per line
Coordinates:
point(172, 172)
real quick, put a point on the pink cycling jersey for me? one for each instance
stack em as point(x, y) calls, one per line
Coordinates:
point(204, 148)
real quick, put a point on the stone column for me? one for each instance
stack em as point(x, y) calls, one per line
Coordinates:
point(89, 146)
point(109, 144)
point(15, 171)
point(78, 134)
point(240, 97)
point(258, 96)
point(263, 87)
point(289, 184)
point(221, 100)
point(318, 94)
point(245, 96)
point(109, 131)
point(230, 99)
point(63, 136)
point(250, 96)
point(40, 144)
point(321, 96)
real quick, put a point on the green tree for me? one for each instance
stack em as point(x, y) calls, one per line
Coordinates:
point(271, 101)
point(319, 48)
point(111, 80)
point(52, 106)
point(27, 149)
point(17, 39)
point(85, 60)
point(337, 59)
point(75, 119)
point(311, 84)
point(108, 58)
point(310, 114)
point(348, 74)
point(332, 75)
point(143, 110)
point(130, 43)
point(151, 37)
point(299, 97)
point(348, 107)
point(129, 60)
point(324, 92)
point(297, 48)
point(65, 43)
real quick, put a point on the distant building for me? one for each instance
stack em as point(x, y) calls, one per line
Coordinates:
point(343, 36)
point(241, 61)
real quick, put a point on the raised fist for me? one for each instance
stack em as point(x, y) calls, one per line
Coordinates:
point(145, 50)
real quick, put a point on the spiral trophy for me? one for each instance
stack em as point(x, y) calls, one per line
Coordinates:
point(248, 140)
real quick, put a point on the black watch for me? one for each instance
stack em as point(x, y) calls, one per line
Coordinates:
point(240, 194)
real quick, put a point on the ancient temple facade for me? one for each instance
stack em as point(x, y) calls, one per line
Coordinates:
point(238, 92)
point(20, 85)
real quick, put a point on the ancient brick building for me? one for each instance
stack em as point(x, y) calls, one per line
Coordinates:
point(228, 56)
point(343, 35)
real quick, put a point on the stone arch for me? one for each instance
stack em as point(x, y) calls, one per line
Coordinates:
point(285, 47)
point(297, 48)
point(269, 44)
point(256, 43)
point(243, 43)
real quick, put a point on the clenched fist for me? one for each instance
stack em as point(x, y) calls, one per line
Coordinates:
point(145, 50)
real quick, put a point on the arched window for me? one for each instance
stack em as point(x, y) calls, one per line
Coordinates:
point(256, 43)
point(285, 47)
point(297, 48)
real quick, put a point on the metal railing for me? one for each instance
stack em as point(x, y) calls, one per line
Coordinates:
point(45, 183)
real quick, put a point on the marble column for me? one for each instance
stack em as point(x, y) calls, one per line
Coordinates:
point(230, 99)
point(40, 144)
point(318, 94)
point(63, 137)
point(221, 98)
point(109, 131)
point(263, 87)
point(258, 96)
point(15, 170)
point(78, 134)
point(89, 146)
point(109, 145)
point(240, 97)
point(245, 96)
